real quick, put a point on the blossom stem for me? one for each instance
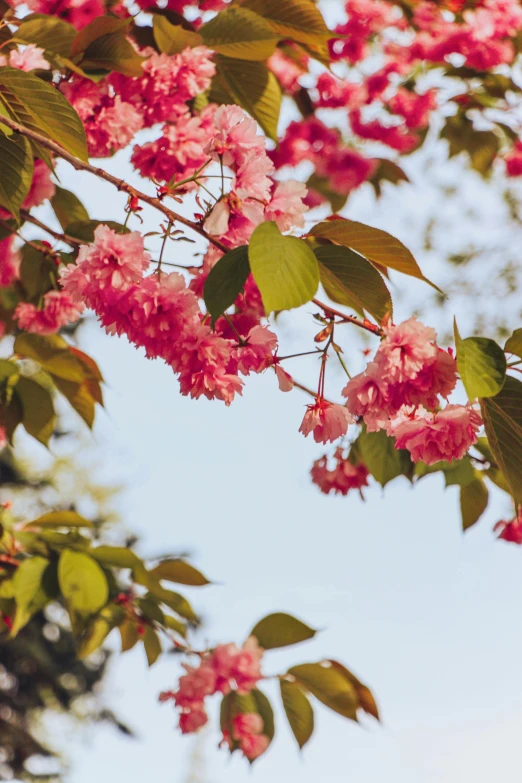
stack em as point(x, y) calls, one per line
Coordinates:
point(351, 319)
point(120, 184)
point(295, 355)
point(68, 240)
point(239, 338)
point(28, 242)
point(163, 244)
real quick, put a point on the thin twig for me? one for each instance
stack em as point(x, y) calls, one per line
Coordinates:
point(351, 319)
point(68, 240)
point(120, 184)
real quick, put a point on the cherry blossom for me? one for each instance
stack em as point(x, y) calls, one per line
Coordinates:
point(326, 421)
point(58, 310)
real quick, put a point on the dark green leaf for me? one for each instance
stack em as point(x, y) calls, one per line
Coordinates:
point(152, 645)
point(355, 278)
point(113, 52)
point(38, 410)
point(42, 108)
point(264, 708)
point(48, 32)
point(329, 686)
point(473, 501)
point(298, 710)
point(171, 38)
point(377, 451)
point(280, 630)
point(503, 421)
point(98, 629)
point(253, 87)
point(379, 246)
point(16, 173)
point(180, 572)
point(100, 26)
point(226, 280)
point(284, 268)
point(68, 208)
point(240, 33)
point(514, 344)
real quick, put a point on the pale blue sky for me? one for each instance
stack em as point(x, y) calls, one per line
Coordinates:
point(428, 618)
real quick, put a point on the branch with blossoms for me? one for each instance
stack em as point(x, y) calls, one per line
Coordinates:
point(80, 82)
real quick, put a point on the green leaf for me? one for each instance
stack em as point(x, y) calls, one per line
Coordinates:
point(55, 519)
point(37, 273)
point(253, 87)
point(82, 582)
point(113, 52)
point(481, 364)
point(34, 585)
point(323, 187)
point(100, 26)
point(68, 208)
point(116, 556)
point(514, 344)
point(365, 696)
point(299, 20)
point(80, 398)
point(173, 600)
point(129, 635)
point(225, 281)
point(372, 243)
point(377, 451)
point(175, 625)
point(355, 278)
point(84, 230)
point(298, 710)
point(284, 268)
point(42, 108)
point(502, 416)
point(48, 32)
point(39, 418)
point(8, 370)
point(173, 38)
point(16, 174)
point(240, 33)
point(329, 686)
point(386, 171)
point(281, 630)
point(264, 708)
point(98, 629)
point(180, 572)
point(152, 645)
point(473, 501)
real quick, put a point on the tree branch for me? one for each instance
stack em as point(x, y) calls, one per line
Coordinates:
point(120, 184)
point(349, 319)
point(68, 240)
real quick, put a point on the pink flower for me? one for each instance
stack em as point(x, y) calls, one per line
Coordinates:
point(9, 262)
point(236, 139)
point(195, 685)
point(343, 477)
point(405, 350)
point(247, 730)
point(246, 668)
point(58, 310)
point(257, 354)
point(327, 421)
point(192, 721)
point(28, 59)
point(42, 188)
point(254, 745)
point(178, 152)
point(105, 269)
point(286, 206)
point(287, 71)
point(285, 380)
point(368, 396)
point(3, 438)
point(510, 530)
point(432, 437)
point(168, 82)
point(513, 160)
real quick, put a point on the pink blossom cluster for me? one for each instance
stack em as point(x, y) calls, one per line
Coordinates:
point(225, 669)
point(76, 12)
point(311, 140)
point(161, 314)
point(247, 733)
point(254, 197)
point(342, 477)
point(399, 392)
point(510, 530)
point(30, 58)
point(58, 310)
